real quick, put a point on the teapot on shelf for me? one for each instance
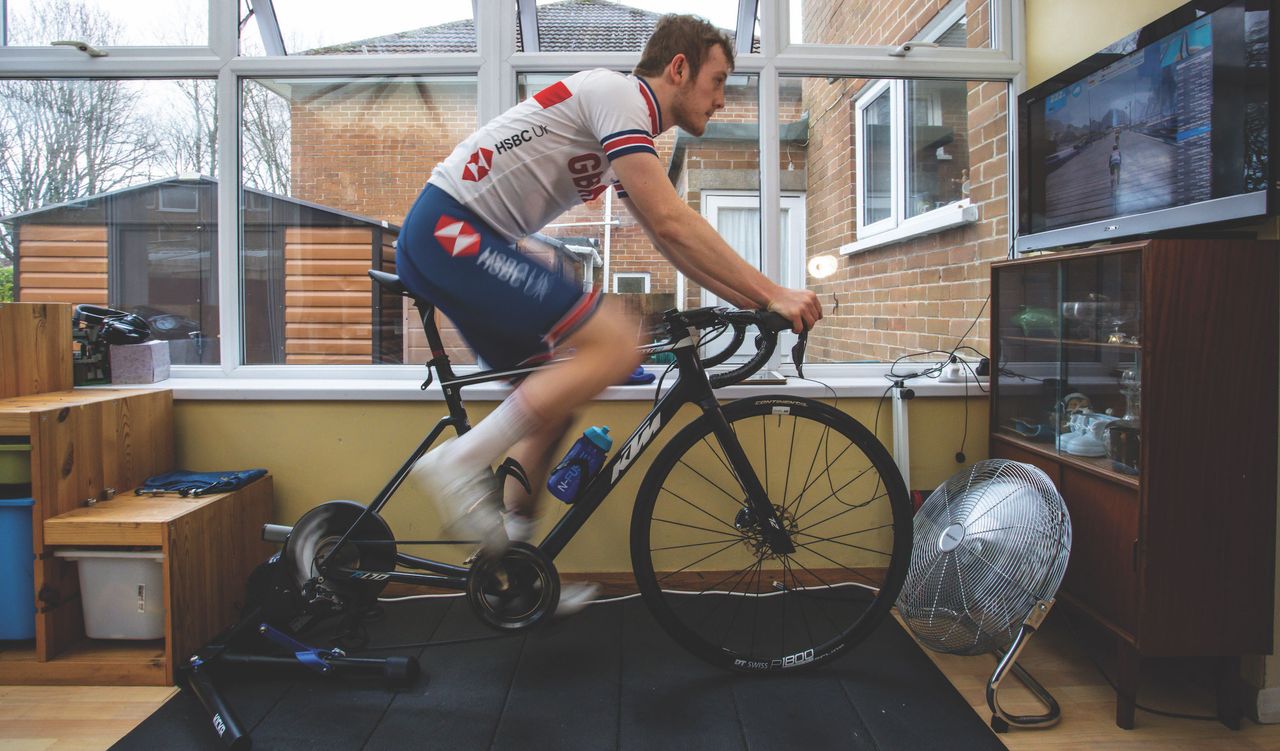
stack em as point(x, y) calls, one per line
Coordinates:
point(1087, 436)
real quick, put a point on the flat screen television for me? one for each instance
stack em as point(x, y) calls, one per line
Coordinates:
point(1171, 128)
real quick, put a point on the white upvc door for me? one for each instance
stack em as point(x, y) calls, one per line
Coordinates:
point(736, 216)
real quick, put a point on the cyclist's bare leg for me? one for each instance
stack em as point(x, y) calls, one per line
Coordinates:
point(535, 453)
point(456, 474)
point(606, 352)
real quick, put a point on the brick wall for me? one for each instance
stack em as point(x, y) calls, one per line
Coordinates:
point(915, 295)
point(368, 149)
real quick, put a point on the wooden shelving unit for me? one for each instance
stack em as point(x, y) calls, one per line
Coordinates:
point(90, 444)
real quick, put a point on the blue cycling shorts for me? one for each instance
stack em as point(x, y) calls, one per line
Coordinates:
point(510, 308)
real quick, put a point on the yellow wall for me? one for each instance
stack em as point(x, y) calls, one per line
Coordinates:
point(319, 451)
point(1061, 33)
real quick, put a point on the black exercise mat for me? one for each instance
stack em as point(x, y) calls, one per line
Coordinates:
point(607, 678)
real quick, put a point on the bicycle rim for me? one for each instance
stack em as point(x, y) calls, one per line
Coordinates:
point(712, 581)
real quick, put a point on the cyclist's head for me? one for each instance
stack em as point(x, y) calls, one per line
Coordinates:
point(690, 36)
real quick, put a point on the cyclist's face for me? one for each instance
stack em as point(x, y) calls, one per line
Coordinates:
point(699, 98)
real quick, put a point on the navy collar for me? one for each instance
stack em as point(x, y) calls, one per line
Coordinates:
point(657, 108)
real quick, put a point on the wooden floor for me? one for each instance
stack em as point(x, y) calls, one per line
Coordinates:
point(40, 718)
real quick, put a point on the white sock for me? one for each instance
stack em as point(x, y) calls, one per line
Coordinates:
point(520, 528)
point(494, 435)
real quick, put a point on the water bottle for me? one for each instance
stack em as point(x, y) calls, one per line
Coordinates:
point(584, 460)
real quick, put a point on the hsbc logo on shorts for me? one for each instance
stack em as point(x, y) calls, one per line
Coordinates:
point(516, 273)
point(457, 237)
point(478, 166)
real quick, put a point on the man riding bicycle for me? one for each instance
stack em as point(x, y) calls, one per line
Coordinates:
point(565, 145)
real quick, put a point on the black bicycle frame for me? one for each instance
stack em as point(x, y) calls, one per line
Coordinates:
point(690, 387)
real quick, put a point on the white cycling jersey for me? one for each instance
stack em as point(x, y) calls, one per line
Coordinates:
point(552, 151)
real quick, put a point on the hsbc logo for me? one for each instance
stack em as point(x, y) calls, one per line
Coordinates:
point(478, 166)
point(457, 237)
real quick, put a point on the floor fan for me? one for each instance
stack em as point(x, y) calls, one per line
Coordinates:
point(991, 547)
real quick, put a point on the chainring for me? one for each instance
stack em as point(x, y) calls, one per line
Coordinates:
point(370, 548)
point(516, 591)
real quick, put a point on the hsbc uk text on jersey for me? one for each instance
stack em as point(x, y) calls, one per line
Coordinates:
point(517, 139)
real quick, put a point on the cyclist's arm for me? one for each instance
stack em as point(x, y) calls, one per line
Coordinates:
point(691, 244)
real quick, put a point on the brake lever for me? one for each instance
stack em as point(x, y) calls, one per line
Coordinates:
point(797, 352)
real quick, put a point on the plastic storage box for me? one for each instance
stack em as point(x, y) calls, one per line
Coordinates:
point(17, 570)
point(122, 592)
point(15, 470)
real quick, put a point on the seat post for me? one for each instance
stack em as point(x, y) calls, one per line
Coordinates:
point(439, 358)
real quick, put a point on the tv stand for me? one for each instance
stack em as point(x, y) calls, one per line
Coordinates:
point(1173, 553)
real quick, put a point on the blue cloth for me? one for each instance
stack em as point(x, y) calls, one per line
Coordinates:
point(639, 377)
point(190, 484)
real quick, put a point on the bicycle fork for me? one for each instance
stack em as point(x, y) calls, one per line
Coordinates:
point(761, 508)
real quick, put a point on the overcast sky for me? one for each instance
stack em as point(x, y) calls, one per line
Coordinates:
point(323, 22)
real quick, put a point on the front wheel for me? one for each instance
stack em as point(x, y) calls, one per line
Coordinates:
point(706, 570)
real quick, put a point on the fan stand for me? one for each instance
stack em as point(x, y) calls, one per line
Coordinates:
point(1000, 719)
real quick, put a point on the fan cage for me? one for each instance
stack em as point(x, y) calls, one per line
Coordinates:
point(1006, 544)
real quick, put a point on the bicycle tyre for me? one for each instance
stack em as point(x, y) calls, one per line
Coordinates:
point(692, 471)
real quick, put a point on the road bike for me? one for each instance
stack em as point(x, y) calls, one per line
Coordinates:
point(770, 533)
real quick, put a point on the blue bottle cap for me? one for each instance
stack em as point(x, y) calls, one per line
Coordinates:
point(599, 435)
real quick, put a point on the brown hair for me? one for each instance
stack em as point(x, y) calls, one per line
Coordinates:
point(674, 35)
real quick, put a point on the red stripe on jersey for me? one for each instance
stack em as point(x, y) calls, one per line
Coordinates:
point(553, 95)
point(653, 112)
point(617, 143)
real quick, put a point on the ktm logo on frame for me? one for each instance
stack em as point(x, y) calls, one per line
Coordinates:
point(457, 237)
point(477, 167)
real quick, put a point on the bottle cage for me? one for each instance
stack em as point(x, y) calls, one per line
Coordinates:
point(116, 326)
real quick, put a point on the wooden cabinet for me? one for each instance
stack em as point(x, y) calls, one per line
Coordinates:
point(86, 446)
point(1173, 545)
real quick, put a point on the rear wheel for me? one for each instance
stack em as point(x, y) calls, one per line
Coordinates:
point(714, 583)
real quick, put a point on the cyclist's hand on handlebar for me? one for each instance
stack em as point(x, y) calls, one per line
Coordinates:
point(800, 306)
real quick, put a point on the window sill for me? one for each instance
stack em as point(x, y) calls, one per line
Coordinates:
point(947, 217)
point(870, 383)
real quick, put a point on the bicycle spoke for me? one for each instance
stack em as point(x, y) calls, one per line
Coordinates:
point(786, 478)
point(688, 545)
point(710, 482)
point(887, 554)
point(848, 508)
point(803, 616)
point(826, 470)
point(693, 505)
point(835, 494)
point(701, 529)
point(700, 560)
point(816, 538)
point(839, 565)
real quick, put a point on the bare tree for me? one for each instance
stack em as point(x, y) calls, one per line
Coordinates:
point(187, 134)
point(266, 131)
point(61, 140)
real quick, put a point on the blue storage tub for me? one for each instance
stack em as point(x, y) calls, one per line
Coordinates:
point(17, 570)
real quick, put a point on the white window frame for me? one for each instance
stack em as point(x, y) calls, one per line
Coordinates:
point(641, 275)
point(898, 227)
point(495, 65)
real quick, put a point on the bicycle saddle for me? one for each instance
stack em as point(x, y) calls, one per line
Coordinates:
point(390, 282)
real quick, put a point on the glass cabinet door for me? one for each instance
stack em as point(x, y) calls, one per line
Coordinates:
point(1028, 325)
point(1101, 348)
